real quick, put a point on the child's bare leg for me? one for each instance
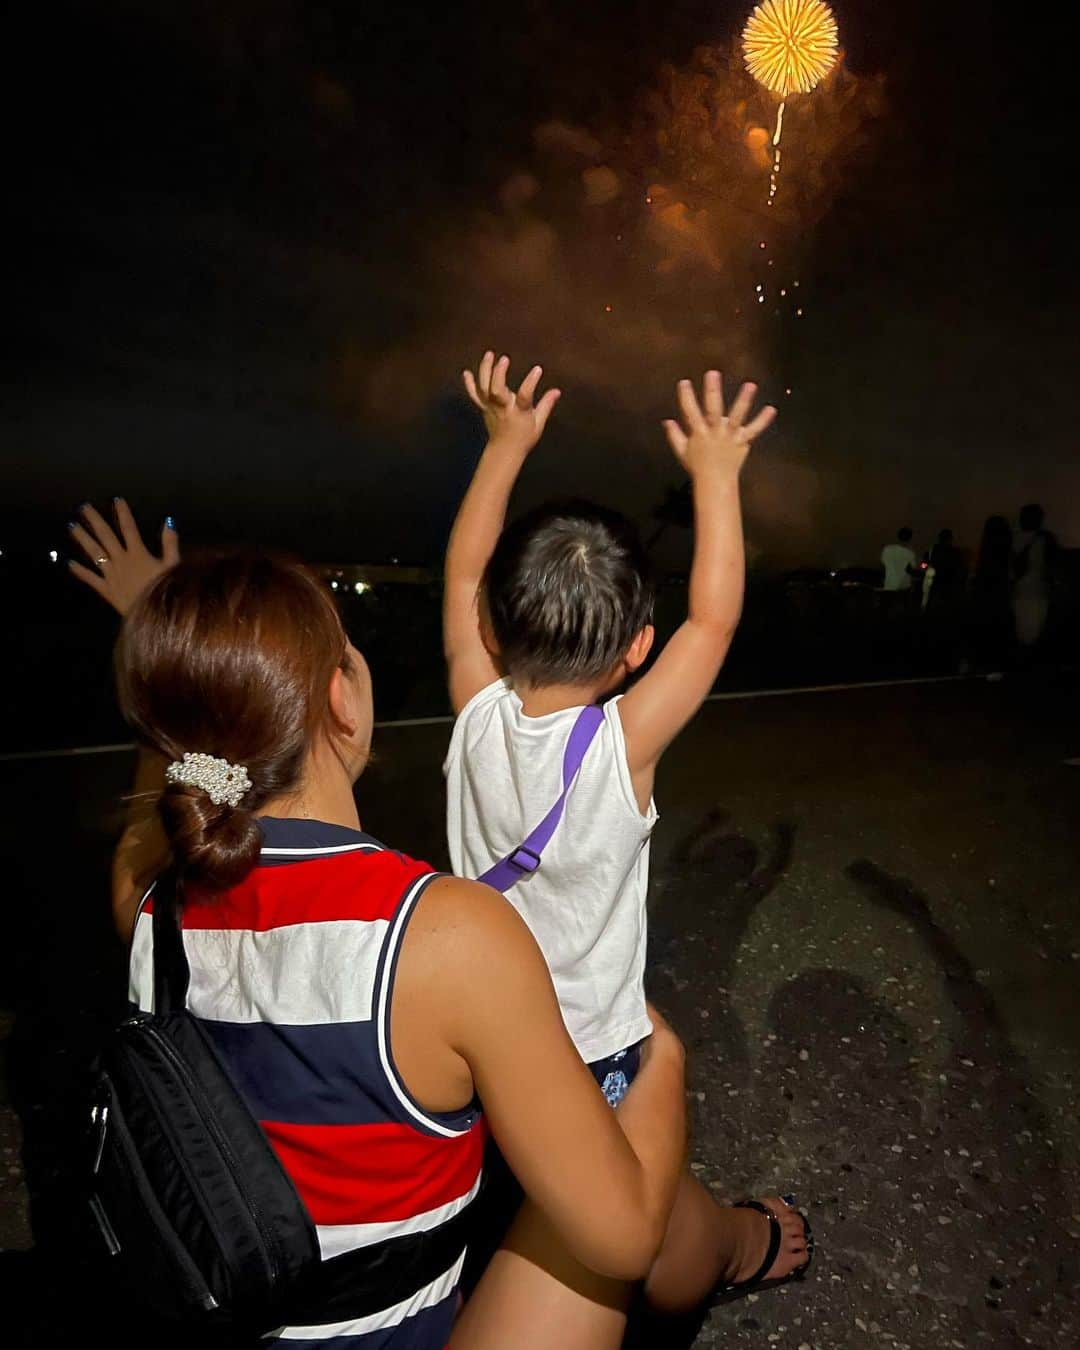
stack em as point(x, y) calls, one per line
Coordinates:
point(707, 1243)
point(535, 1296)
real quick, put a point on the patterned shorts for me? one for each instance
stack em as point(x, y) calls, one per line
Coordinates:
point(616, 1072)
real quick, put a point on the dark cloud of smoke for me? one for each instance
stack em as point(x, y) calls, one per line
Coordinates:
point(623, 257)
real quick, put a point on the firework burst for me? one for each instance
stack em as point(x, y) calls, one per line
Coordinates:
point(790, 45)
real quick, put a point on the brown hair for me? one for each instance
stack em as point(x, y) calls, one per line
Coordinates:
point(229, 655)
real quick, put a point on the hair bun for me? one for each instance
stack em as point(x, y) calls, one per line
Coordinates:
point(214, 843)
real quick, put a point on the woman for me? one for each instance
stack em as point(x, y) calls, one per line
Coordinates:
point(363, 1003)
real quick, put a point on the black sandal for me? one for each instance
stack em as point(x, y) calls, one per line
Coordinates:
point(757, 1282)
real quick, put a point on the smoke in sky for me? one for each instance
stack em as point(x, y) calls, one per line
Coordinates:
point(623, 257)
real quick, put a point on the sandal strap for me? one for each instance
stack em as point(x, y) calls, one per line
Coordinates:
point(776, 1236)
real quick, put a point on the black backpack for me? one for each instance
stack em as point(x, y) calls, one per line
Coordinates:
point(192, 1202)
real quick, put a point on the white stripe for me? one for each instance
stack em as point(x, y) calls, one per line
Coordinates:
point(306, 974)
point(315, 852)
point(427, 1297)
point(334, 1239)
point(383, 1016)
point(141, 962)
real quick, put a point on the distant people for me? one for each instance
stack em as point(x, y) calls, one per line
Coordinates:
point(900, 564)
point(990, 614)
point(1033, 558)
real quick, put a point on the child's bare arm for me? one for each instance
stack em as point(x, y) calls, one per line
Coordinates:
point(713, 448)
point(514, 425)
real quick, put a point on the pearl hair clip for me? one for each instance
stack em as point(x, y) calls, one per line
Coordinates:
point(221, 781)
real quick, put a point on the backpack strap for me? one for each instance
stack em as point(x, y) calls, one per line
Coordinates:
point(171, 971)
point(525, 859)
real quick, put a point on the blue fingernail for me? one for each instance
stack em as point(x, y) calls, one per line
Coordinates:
point(71, 524)
point(170, 524)
point(115, 500)
point(788, 1200)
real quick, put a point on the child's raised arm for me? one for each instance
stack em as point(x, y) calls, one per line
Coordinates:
point(514, 425)
point(713, 447)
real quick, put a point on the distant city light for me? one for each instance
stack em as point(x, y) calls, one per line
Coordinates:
point(361, 587)
point(607, 309)
point(333, 585)
point(53, 555)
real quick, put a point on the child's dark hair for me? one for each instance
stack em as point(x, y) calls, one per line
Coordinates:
point(567, 590)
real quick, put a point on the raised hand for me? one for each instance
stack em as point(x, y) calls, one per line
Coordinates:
point(709, 438)
point(511, 417)
point(123, 566)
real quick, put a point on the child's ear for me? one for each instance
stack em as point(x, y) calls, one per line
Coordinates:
point(639, 649)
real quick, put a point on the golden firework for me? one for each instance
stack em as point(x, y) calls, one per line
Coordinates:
point(790, 45)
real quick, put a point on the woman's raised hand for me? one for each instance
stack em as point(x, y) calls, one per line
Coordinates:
point(122, 565)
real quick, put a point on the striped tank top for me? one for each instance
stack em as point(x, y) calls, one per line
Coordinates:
point(292, 974)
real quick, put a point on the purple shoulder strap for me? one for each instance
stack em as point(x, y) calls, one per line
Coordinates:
point(525, 859)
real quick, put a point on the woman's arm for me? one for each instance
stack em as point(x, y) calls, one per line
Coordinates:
point(143, 849)
point(473, 983)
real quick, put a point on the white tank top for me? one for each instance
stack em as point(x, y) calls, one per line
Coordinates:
point(585, 904)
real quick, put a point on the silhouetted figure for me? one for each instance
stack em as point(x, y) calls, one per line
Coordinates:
point(991, 620)
point(1033, 558)
point(943, 602)
point(949, 572)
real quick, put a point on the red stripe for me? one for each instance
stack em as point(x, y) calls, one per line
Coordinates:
point(375, 1173)
point(313, 890)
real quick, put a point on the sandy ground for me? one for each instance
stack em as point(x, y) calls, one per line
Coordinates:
point(865, 925)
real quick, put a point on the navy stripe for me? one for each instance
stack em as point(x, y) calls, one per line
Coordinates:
point(427, 1330)
point(328, 1074)
point(285, 832)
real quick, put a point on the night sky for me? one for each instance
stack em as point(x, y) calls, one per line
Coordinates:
point(261, 239)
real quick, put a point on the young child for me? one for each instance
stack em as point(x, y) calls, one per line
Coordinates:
point(545, 618)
